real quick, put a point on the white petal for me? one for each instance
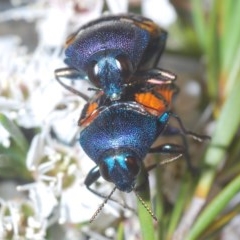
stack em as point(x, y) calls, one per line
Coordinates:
point(117, 6)
point(35, 152)
point(162, 12)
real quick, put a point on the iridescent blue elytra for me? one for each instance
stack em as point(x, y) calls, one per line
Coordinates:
point(107, 40)
point(111, 49)
point(117, 135)
point(118, 139)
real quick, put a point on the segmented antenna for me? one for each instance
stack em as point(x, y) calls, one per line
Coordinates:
point(94, 89)
point(146, 206)
point(166, 161)
point(123, 205)
point(169, 160)
point(102, 205)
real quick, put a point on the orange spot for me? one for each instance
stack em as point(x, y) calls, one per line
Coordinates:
point(149, 101)
point(167, 92)
point(153, 103)
point(91, 114)
point(91, 108)
point(150, 26)
point(70, 39)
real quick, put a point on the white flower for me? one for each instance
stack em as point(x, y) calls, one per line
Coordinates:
point(19, 220)
point(162, 12)
point(4, 137)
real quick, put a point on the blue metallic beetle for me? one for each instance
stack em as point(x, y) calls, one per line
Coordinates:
point(118, 135)
point(114, 52)
point(118, 139)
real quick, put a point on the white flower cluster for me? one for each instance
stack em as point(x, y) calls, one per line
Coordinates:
point(32, 99)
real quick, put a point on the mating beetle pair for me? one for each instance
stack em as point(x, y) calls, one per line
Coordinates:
point(131, 107)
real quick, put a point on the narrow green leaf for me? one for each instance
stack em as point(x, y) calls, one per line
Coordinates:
point(120, 232)
point(224, 18)
point(145, 218)
point(226, 128)
point(159, 203)
point(146, 221)
point(212, 52)
point(230, 35)
point(179, 206)
point(14, 132)
point(214, 208)
point(234, 74)
point(12, 163)
point(199, 22)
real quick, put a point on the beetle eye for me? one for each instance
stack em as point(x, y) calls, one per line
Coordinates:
point(103, 168)
point(93, 71)
point(124, 65)
point(132, 165)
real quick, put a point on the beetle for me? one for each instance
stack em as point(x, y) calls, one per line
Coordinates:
point(114, 52)
point(118, 135)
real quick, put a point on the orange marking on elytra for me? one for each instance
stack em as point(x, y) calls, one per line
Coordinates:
point(91, 108)
point(150, 101)
point(166, 92)
point(90, 115)
point(150, 26)
point(154, 104)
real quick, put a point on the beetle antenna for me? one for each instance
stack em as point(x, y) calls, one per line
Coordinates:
point(102, 205)
point(94, 89)
point(169, 160)
point(164, 162)
point(145, 206)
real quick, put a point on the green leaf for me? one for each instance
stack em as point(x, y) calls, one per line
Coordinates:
point(214, 208)
point(226, 128)
point(199, 22)
point(230, 33)
point(179, 205)
point(145, 217)
point(14, 132)
point(120, 232)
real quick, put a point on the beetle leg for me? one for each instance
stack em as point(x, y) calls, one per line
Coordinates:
point(195, 136)
point(91, 178)
point(155, 76)
point(72, 74)
point(182, 132)
point(178, 150)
